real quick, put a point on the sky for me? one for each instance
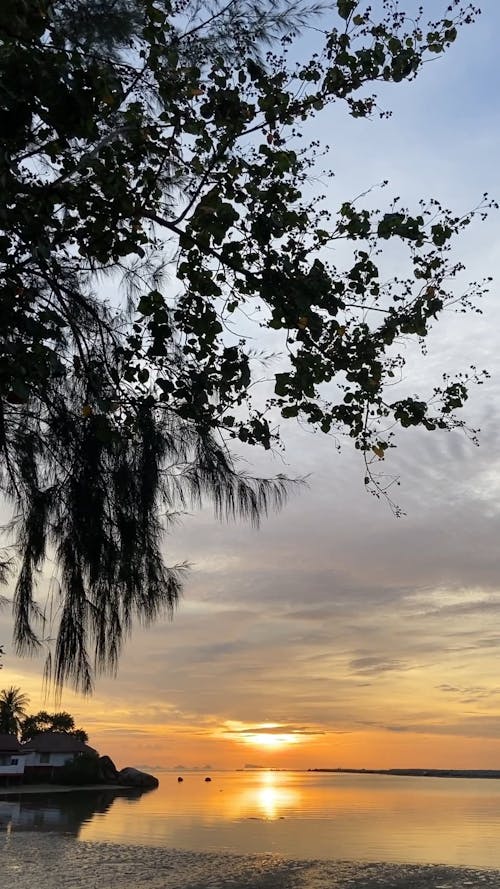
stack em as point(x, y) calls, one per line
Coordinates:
point(336, 634)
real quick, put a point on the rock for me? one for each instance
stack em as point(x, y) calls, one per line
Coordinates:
point(208, 779)
point(180, 779)
point(107, 770)
point(130, 777)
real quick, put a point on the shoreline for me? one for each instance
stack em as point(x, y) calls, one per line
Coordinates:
point(418, 773)
point(25, 789)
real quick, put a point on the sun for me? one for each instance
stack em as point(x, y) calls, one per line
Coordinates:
point(270, 740)
point(265, 740)
point(267, 735)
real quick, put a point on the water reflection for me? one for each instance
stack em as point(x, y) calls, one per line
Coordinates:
point(55, 812)
point(296, 815)
point(273, 798)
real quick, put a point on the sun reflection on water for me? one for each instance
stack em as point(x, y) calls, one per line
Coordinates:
point(273, 799)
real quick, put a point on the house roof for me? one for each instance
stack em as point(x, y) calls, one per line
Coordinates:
point(56, 742)
point(9, 744)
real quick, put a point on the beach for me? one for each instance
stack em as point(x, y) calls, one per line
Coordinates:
point(57, 862)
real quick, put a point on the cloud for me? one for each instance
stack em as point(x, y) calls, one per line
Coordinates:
point(386, 727)
point(274, 730)
point(471, 694)
point(375, 665)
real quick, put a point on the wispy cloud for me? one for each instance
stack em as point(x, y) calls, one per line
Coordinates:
point(273, 730)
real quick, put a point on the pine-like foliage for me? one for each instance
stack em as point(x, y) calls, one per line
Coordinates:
point(97, 492)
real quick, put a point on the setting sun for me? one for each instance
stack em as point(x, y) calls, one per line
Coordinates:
point(266, 740)
point(270, 737)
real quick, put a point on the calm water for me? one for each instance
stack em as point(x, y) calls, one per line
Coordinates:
point(291, 814)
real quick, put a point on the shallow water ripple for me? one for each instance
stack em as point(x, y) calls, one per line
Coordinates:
point(28, 860)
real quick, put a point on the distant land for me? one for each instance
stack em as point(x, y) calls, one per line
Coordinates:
point(420, 773)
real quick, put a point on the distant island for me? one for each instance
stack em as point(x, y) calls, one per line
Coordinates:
point(420, 773)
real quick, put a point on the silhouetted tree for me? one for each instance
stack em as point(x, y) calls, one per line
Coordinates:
point(13, 705)
point(50, 722)
point(153, 138)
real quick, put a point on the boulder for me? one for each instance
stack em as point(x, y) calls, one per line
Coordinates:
point(107, 770)
point(130, 777)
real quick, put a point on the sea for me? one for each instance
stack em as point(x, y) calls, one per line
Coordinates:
point(256, 829)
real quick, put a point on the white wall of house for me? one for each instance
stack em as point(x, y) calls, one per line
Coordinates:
point(48, 759)
point(13, 768)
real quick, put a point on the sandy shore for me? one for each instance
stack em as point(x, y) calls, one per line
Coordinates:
point(58, 862)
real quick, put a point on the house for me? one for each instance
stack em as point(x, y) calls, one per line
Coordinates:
point(48, 751)
point(12, 759)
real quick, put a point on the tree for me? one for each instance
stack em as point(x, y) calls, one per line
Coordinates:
point(50, 722)
point(13, 705)
point(182, 153)
point(109, 559)
point(33, 725)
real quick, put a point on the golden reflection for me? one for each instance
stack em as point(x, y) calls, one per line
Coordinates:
point(273, 798)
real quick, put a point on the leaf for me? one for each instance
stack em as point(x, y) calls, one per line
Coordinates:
point(282, 381)
point(346, 7)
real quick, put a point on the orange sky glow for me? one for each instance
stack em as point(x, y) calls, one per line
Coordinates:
point(114, 730)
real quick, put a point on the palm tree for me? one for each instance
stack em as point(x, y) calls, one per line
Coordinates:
point(13, 705)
